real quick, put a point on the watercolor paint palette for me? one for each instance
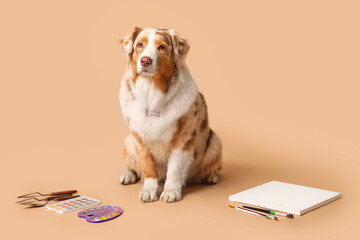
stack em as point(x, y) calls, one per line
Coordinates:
point(72, 204)
point(100, 214)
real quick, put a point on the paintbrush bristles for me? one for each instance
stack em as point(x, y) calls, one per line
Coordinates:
point(290, 216)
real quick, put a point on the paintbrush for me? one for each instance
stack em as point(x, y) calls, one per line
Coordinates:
point(255, 213)
point(269, 211)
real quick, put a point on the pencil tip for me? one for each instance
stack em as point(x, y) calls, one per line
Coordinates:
point(231, 206)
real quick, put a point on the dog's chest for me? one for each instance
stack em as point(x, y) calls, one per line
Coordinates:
point(147, 114)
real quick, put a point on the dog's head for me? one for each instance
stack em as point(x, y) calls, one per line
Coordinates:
point(154, 52)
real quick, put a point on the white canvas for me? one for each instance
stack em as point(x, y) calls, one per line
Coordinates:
point(285, 197)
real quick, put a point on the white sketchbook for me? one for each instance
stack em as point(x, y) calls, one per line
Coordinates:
point(285, 197)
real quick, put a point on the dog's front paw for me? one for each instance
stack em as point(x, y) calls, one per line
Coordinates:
point(171, 195)
point(148, 196)
point(128, 177)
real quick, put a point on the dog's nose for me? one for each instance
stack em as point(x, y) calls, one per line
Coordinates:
point(145, 61)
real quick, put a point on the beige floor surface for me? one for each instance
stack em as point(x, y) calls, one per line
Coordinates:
point(281, 80)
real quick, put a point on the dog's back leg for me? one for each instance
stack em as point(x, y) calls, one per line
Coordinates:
point(212, 160)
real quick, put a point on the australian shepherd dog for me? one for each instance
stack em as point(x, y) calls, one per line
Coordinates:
point(170, 141)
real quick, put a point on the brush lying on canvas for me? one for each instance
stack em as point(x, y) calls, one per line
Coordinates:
point(255, 213)
point(270, 212)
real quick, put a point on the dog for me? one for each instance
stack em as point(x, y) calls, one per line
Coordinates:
point(170, 141)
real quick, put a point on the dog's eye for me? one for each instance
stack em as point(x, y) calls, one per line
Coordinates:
point(140, 45)
point(162, 47)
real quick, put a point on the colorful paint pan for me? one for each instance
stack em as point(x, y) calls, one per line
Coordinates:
point(72, 204)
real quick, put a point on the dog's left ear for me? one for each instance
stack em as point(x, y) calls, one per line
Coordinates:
point(127, 42)
point(180, 45)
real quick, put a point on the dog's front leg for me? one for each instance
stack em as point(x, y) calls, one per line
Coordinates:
point(149, 192)
point(178, 166)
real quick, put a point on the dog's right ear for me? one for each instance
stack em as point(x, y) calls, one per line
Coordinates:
point(127, 42)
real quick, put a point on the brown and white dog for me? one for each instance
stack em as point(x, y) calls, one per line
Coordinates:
point(170, 137)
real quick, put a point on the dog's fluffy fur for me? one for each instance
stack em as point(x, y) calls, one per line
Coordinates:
point(170, 137)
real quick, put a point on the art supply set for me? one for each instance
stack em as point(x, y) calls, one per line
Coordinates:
point(66, 202)
point(285, 197)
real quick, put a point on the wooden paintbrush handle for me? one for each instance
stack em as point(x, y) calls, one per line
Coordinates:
point(57, 196)
point(63, 192)
point(65, 198)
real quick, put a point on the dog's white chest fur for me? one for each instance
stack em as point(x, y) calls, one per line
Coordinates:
point(152, 114)
point(147, 117)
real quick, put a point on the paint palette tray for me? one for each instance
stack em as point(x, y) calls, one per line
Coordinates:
point(101, 213)
point(72, 204)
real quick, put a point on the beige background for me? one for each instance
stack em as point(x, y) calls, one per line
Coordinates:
point(281, 79)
